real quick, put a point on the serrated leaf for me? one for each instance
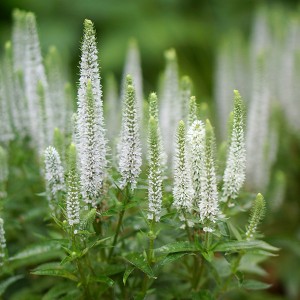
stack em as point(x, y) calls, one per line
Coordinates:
point(235, 246)
point(54, 269)
point(140, 262)
point(255, 285)
point(170, 258)
point(177, 247)
point(127, 272)
point(7, 282)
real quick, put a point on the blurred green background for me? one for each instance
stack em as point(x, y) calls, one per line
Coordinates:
point(193, 27)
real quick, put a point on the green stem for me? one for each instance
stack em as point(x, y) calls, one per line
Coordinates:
point(150, 256)
point(199, 262)
point(234, 269)
point(126, 200)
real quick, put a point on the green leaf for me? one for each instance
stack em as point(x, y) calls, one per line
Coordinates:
point(235, 246)
point(140, 262)
point(170, 258)
point(59, 290)
point(128, 271)
point(255, 285)
point(54, 269)
point(202, 295)
point(103, 279)
point(36, 254)
point(208, 255)
point(177, 247)
point(6, 283)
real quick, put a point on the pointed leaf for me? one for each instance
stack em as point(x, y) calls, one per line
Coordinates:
point(54, 269)
point(255, 285)
point(235, 246)
point(6, 283)
point(128, 271)
point(140, 262)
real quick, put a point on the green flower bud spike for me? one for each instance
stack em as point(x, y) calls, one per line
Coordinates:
point(257, 213)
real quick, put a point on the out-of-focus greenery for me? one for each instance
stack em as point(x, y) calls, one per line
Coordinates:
point(193, 27)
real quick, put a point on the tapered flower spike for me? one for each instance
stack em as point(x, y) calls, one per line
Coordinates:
point(192, 114)
point(130, 151)
point(183, 190)
point(2, 243)
point(257, 213)
point(92, 163)
point(54, 176)
point(208, 201)
point(185, 94)
point(73, 190)
point(170, 108)
point(14, 103)
point(19, 39)
point(196, 149)
point(258, 127)
point(133, 67)
point(34, 73)
point(155, 176)
point(234, 175)
point(92, 144)
point(112, 107)
point(56, 80)
point(3, 172)
point(153, 112)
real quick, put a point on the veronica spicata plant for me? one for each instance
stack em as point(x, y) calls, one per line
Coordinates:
point(113, 232)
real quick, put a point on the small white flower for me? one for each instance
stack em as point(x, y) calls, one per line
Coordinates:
point(54, 174)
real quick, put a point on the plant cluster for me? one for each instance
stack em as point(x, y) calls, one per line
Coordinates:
point(147, 213)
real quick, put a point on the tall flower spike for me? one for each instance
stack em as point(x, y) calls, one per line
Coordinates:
point(34, 72)
point(196, 148)
point(19, 39)
point(56, 79)
point(185, 94)
point(5, 124)
point(257, 213)
point(130, 147)
point(91, 139)
point(73, 190)
point(133, 67)
point(155, 176)
point(54, 176)
point(208, 201)
point(3, 172)
point(153, 112)
point(92, 144)
point(2, 243)
point(192, 114)
point(170, 108)
point(111, 107)
point(234, 175)
point(183, 190)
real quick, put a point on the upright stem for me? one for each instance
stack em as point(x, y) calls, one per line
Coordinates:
point(199, 262)
point(150, 256)
point(126, 200)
